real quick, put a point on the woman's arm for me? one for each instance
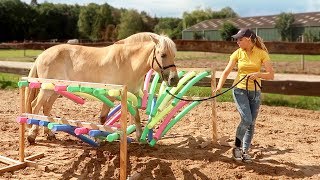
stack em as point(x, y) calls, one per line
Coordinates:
point(268, 75)
point(224, 75)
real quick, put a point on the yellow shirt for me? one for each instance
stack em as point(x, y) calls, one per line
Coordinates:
point(247, 65)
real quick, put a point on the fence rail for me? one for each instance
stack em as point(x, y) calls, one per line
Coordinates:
point(192, 45)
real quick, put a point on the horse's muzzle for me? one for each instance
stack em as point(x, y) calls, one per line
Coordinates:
point(173, 78)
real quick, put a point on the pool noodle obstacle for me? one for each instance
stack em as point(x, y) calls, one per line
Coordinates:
point(163, 110)
point(81, 130)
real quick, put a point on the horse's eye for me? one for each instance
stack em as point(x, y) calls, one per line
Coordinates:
point(163, 55)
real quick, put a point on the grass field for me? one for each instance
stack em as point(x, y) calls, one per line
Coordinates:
point(18, 55)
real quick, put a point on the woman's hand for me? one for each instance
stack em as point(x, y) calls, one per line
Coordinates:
point(217, 90)
point(254, 76)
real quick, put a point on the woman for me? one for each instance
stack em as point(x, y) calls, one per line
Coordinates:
point(250, 56)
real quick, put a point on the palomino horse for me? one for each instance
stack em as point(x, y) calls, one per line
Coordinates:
point(126, 62)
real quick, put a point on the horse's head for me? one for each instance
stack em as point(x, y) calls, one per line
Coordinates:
point(163, 60)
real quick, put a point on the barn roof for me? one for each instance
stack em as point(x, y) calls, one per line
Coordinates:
point(301, 20)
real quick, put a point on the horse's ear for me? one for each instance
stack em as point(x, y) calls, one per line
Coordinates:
point(120, 42)
point(154, 39)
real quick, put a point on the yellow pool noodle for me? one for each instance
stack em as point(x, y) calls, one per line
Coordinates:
point(87, 96)
point(48, 86)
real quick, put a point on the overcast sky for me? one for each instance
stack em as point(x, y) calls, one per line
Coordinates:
point(175, 8)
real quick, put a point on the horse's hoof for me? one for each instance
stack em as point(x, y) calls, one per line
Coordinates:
point(51, 137)
point(100, 142)
point(31, 140)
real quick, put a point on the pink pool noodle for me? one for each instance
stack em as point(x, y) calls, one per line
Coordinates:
point(22, 119)
point(147, 80)
point(168, 118)
point(145, 89)
point(71, 96)
point(60, 88)
point(79, 131)
point(117, 125)
point(34, 85)
point(114, 119)
point(144, 100)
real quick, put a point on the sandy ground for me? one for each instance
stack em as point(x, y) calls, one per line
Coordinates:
point(285, 146)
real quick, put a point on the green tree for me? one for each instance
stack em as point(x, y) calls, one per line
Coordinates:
point(15, 20)
point(227, 30)
point(199, 15)
point(55, 21)
point(94, 20)
point(284, 25)
point(148, 22)
point(130, 23)
point(172, 27)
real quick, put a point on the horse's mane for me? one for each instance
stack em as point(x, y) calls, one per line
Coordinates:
point(164, 42)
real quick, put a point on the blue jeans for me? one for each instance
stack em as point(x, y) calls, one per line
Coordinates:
point(248, 109)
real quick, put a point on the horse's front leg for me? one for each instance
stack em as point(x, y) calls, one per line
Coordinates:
point(137, 122)
point(36, 104)
point(46, 111)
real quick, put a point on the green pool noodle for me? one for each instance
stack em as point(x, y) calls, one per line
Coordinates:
point(146, 130)
point(139, 102)
point(50, 125)
point(104, 99)
point(179, 116)
point(100, 94)
point(99, 91)
point(163, 95)
point(163, 86)
point(23, 84)
point(73, 88)
point(131, 109)
point(133, 99)
point(115, 136)
point(159, 100)
point(159, 116)
point(185, 78)
point(151, 92)
point(88, 90)
point(189, 85)
point(153, 142)
point(144, 135)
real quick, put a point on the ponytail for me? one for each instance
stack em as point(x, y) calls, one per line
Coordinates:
point(258, 41)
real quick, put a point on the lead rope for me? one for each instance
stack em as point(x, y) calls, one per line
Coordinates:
point(211, 97)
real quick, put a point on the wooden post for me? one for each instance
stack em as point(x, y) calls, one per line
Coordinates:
point(22, 126)
point(123, 138)
point(214, 112)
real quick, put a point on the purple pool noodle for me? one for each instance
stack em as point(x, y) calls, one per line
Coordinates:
point(62, 127)
point(44, 123)
point(114, 110)
point(33, 121)
point(96, 133)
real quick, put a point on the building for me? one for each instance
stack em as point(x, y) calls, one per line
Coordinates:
point(264, 26)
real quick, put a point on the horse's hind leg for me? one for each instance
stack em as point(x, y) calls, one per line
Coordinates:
point(36, 106)
point(46, 111)
point(104, 113)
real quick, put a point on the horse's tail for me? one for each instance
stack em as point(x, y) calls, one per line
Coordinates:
point(31, 93)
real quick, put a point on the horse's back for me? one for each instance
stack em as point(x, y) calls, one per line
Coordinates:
point(67, 61)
